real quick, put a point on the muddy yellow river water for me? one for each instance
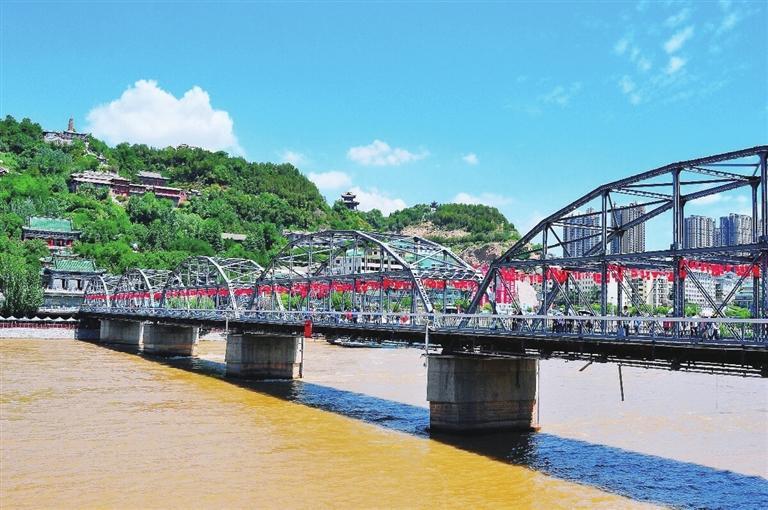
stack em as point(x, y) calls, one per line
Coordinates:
point(85, 426)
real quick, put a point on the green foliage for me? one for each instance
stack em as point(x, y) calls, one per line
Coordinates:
point(20, 278)
point(341, 301)
point(481, 223)
point(48, 160)
point(737, 312)
point(692, 309)
point(260, 200)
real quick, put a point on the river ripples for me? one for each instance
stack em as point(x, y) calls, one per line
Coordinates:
point(88, 426)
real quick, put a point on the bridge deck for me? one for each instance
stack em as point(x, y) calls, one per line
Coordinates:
point(713, 345)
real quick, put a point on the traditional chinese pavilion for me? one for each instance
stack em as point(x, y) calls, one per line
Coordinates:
point(56, 232)
point(65, 277)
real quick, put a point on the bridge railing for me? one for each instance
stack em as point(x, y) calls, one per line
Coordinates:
point(686, 330)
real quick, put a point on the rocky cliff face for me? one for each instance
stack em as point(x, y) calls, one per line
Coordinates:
point(430, 231)
point(483, 254)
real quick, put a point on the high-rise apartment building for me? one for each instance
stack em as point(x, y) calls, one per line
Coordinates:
point(699, 232)
point(735, 229)
point(633, 240)
point(576, 234)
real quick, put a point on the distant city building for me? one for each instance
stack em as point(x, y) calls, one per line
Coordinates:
point(56, 232)
point(735, 229)
point(576, 234)
point(633, 240)
point(744, 296)
point(362, 261)
point(724, 284)
point(694, 295)
point(349, 201)
point(699, 232)
point(65, 137)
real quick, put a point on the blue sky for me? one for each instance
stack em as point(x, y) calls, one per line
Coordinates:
point(525, 106)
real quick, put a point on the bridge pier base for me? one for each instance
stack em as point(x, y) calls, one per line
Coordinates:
point(264, 356)
point(171, 340)
point(121, 332)
point(475, 394)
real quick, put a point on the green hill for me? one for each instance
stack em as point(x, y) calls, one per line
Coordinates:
point(260, 200)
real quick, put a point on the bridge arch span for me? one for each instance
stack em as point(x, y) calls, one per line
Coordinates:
point(351, 270)
point(140, 288)
point(210, 283)
point(596, 239)
point(99, 290)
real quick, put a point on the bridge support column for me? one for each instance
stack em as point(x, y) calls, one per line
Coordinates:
point(474, 394)
point(172, 340)
point(121, 332)
point(264, 356)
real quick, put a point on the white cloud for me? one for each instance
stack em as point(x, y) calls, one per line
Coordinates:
point(629, 88)
point(561, 95)
point(490, 199)
point(626, 84)
point(678, 18)
point(379, 153)
point(675, 64)
point(709, 199)
point(470, 159)
point(330, 180)
point(621, 46)
point(677, 41)
point(145, 113)
point(375, 199)
point(292, 157)
point(644, 64)
point(728, 23)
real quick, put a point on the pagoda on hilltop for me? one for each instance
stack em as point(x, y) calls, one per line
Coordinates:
point(349, 201)
point(65, 137)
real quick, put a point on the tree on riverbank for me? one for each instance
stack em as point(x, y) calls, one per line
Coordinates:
point(20, 284)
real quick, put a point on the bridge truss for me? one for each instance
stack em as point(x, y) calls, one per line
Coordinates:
point(593, 249)
point(201, 283)
point(100, 290)
point(349, 270)
point(197, 283)
point(581, 266)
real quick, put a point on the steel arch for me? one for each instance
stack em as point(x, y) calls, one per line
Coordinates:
point(342, 256)
point(140, 288)
point(665, 189)
point(99, 291)
point(210, 283)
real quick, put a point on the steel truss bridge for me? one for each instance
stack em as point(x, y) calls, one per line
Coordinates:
point(586, 264)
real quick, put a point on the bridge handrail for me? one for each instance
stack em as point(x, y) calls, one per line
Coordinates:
point(436, 316)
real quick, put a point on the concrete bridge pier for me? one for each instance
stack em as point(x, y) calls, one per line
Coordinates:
point(113, 331)
point(260, 356)
point(475, 394)
point(170, 340)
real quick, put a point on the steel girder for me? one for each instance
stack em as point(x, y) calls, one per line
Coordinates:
point(210, 283)
point(140, 288)
point(662, 190)
point(350, 260)
point(99, 291)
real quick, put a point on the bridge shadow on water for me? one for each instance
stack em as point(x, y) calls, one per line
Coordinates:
point(639, 476)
